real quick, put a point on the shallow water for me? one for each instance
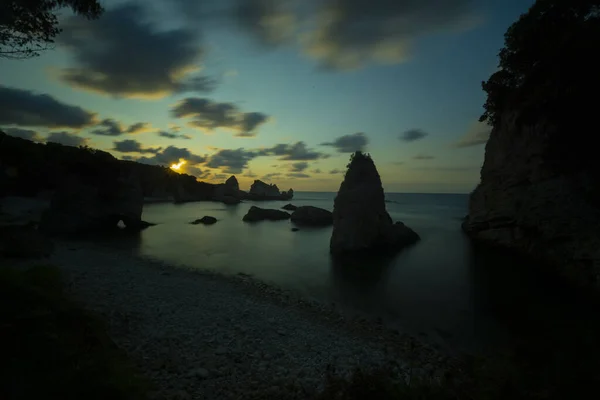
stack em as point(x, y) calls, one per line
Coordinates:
point(442, 287)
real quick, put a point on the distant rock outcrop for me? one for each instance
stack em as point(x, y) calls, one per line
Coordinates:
point(259, 214)
point(289, 207)
point(538, 204)
point(312, 216)
point(260, 190)
point(360, 220)
point(206, 220)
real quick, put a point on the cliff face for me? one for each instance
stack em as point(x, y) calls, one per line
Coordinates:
point(526, 204)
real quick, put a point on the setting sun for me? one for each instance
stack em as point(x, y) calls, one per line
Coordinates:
point(177, 166)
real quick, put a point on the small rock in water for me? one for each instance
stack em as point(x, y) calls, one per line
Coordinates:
point(295, 229)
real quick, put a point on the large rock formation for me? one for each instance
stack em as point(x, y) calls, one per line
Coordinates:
point(260, 190)
point(256, 214)
point(312, 216)
point(535, 203)
point(79, 207)
point(360, 220)
point(229, 192)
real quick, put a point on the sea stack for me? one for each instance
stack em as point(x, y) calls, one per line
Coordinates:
point(360, 221)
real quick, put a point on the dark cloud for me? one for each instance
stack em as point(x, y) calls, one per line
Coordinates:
point(110, 127)
point(172, 155)
point(423, 157)
point(267, 177)
point(478, 134)
point(170, 135)
point(316, 171)
point(133, 146)
point(349, 143)
point(231, 161)
point(299, 166)
point(292, 152)
point(23, 134)
point(250, 174)
point(121, 54)
point(351, 33)
point(412, 135)
point(298, 175)
point(272, 22)
point(208, 115)
point(196, 171)
point(67, 139)
point(26, 108)
point(336, 171)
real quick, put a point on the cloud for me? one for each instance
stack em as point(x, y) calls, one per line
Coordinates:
point(349, 143)
point(292, 152)
point(352, 33)
point(26, 108)
point(170, 135)
point(123, 55)
point(166, 156)
point(449, 168)
point(316, 171)
point(270, 21)
point(23, 134)
point(133, 146)
point(299, 166)
point(298, 175)
point(209, 115)
point(250, 174)
point(423, 157)
point(110, 127)
point(231, 161)
point(67, 139)
point(398, 162)
point(336, 171)
point(267, 177)
point(477, 134)
point(412, 135)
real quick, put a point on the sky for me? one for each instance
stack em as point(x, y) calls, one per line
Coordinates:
point(278, 90)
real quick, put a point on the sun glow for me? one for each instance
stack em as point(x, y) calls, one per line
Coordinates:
point(177, 167)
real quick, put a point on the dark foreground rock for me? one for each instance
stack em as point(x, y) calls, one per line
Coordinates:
point(312, 216)
point(360, 220)
point(259, 214)
point(289, 207)
point(206, 220)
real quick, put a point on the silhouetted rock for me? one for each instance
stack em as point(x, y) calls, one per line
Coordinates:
point(206, 220)
point(94, 206)
point(289, 207)
point(537, 204)
point(295, 229)
point(360, 220)
point(312, 216)
point(232, 183)
point(258, 214)
point(260, 190)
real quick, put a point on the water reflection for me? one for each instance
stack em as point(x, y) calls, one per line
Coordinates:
point(361, 280)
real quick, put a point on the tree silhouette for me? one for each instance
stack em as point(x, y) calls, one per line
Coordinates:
point(30, 26)
point(548, 64)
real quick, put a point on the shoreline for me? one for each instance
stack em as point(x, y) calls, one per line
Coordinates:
point(217, 336)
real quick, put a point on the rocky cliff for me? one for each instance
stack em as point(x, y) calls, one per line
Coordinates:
point(532, 199)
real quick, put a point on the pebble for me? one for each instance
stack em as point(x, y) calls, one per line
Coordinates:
point(181, 349)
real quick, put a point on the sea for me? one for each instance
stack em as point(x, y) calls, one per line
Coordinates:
point(444, 289)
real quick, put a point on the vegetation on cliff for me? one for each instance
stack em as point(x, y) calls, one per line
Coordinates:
point(30, 26)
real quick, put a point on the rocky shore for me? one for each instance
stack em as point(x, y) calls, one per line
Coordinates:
point(196, 334)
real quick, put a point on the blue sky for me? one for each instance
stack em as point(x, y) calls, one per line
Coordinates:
point(275, 80)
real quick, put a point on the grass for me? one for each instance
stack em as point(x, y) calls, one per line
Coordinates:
point(51, 348)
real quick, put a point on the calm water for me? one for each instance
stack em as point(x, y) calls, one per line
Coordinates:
point(442, 287)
